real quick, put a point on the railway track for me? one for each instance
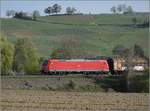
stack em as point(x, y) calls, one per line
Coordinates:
point(63, 76)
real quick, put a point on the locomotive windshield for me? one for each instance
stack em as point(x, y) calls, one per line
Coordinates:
point(45, 62)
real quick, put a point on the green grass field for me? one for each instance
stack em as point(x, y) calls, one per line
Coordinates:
point(95, 34)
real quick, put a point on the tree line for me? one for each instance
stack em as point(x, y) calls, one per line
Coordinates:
point(50, 10)
point(23, 15)
point(122, 8)
point(56, 8)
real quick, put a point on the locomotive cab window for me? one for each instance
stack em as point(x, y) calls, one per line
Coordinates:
point(45, 62)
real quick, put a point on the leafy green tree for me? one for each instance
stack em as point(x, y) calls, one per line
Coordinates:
point(23, 15)
point(56, 8)
point(36, 14)
point(70, 10)
point(18, 15)
point(6, 55)
point(48, 10)
point(25, 58)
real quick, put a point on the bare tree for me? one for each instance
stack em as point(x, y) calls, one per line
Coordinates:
point(113, 9)
point(124, 7)
point(119, 8)
point(8, 13)
point(12, 13)
point(129, 10)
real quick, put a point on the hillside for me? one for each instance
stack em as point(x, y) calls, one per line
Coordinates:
point(96, 35)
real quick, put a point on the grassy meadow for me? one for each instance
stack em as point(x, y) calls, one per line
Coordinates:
point(93, 34)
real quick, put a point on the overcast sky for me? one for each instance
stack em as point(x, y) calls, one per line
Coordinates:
point(95, 7)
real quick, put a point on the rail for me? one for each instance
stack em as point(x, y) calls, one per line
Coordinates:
point(62, 76)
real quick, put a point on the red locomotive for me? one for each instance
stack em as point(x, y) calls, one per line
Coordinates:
point(75, 65)
point(90, 65)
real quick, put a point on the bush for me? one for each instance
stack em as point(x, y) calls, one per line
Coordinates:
point(32, 69)
point(47, 87)
point(114, 83)
point(139, 84)
point(91, 88)
point(146, 72)
point(70, 85)
point(66, 87)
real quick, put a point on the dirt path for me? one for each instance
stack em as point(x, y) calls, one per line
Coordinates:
point(29, 100)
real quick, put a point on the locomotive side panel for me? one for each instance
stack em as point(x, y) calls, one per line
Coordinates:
point(78, 65)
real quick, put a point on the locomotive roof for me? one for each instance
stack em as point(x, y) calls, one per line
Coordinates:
point(81, 58)
point(78, 59)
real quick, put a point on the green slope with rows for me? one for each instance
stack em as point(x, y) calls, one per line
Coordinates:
point(93, 34)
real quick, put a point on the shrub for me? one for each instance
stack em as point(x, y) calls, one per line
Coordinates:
point(115, 83)
point(139, 84)
point(70, 85)
point(91, 88)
